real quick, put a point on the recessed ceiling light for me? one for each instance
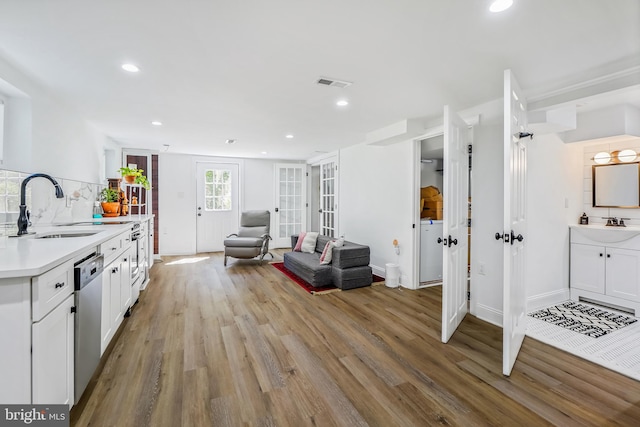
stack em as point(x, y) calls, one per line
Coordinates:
point(289, 136)
point(156, 123)
point(342, 103)
point(130, 68)
point(230, 141)
point(264, 152)
point(500, 5)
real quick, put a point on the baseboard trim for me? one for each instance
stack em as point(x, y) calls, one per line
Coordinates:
point(488, 314)
point(538, 302)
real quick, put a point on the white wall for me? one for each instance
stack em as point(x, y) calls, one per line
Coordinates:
point(44, 135)
point(486, 219)
point(177, 196)
point(431, 174)
point(554, 200)
point(377, 202)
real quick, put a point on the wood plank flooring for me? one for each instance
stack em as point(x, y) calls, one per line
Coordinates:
point(245, 346)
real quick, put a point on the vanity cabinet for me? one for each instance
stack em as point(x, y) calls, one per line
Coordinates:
point(606, 268)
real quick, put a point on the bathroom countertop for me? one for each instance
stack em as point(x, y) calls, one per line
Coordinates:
point(28, 256)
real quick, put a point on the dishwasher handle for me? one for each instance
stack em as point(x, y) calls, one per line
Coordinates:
point(88, 270)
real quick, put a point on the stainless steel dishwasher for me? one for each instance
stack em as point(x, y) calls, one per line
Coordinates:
point(88, 300)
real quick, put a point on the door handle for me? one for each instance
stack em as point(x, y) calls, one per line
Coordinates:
point(454, 241)
point(519, 237)
point(277, 209)
point(440, 240)
point(320, 210)
point(499, 236)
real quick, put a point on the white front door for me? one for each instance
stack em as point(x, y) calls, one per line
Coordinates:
point(290, 213)
point(217, 204)
point(328, 197)
point(455, 212)
point(514, 321)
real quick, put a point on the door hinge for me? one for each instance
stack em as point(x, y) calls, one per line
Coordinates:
point(413, 226)
point(306, 205)
point(468, 295)
point(73, 309)
point(306, 174)
point(469, 147)
point(468, 222)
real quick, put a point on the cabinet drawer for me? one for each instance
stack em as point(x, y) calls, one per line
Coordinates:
point(51, 288)
point(112, 248)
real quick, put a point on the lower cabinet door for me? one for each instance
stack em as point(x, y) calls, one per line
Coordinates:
point(52, 358)
point(623, 273)
point(588, 267)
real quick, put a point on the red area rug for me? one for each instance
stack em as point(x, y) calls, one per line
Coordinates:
point(311, 289)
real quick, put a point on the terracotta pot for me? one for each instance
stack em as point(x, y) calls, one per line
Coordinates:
point(130, 179)
point(111, 209)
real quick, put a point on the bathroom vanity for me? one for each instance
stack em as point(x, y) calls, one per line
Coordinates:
point(605, 266)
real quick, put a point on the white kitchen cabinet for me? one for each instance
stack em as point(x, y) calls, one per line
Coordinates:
point(605, 266)
point(15, 336)
point(116, 295)
point(53, 356)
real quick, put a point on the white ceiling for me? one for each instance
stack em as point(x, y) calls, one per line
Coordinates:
point(213, 70)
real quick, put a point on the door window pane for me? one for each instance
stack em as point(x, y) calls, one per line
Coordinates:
point(217, 190)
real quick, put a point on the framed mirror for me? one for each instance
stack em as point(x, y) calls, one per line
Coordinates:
point(616, 185)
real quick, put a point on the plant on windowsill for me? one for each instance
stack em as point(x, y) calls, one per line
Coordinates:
point(110, 199)
point(134, 176)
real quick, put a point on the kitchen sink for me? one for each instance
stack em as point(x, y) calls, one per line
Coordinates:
point(65, 234)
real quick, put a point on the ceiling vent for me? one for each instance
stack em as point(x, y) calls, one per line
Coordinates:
point(333, 82)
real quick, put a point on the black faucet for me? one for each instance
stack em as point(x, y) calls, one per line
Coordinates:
point(23, 218)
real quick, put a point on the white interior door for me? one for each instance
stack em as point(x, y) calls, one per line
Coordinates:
point(328, 197)
point(290, 214)
point(218, 205)
point(515, 183)
point(455, 211)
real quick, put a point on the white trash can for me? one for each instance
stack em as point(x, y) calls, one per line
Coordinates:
point(392, 275)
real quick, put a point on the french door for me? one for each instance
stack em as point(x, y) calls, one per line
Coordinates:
point(455, 212)
point(290, 211)
point(514, 322)
point(328, 197)
point(217, 204)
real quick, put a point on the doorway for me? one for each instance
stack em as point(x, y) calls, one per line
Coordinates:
point(324, 196)
point(217, 204)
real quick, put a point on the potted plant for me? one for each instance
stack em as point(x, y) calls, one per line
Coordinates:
point(134, 176)
point(110, 199)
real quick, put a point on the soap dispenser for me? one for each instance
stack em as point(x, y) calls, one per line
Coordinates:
point(584, 219)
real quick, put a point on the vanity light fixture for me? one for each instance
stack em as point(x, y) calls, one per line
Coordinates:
point(622, 156)
point(500, 5)
point(130, 68)
point(626, 156)
point(602, 158)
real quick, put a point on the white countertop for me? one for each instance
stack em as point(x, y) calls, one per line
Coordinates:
point(28, 256)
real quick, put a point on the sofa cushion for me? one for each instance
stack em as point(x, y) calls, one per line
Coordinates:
point(327, 253)
point(351, 255)
point(307, 267)
point(299, 239)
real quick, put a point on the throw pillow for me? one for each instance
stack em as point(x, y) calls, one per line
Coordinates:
point(298, 247)
point(327, 252)
point(309, 242)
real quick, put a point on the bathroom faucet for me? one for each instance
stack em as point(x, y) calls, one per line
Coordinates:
point(23, 218)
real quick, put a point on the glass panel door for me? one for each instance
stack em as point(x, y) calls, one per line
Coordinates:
point(328, 184)
point(290, 203)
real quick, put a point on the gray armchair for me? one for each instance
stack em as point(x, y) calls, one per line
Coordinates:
point(252, 239)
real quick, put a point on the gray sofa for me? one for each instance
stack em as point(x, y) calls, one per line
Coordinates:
point(349, 267)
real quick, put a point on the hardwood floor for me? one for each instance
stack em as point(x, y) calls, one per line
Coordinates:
point(244, 346)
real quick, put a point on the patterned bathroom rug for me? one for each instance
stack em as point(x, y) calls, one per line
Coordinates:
point(587, 320)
